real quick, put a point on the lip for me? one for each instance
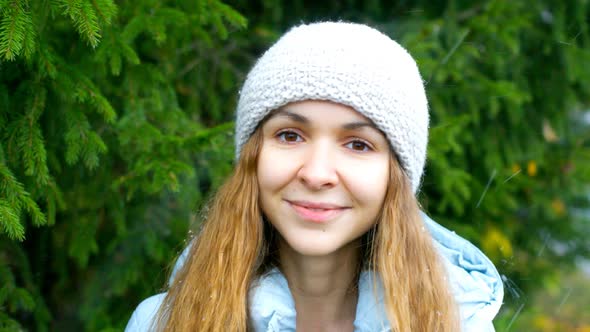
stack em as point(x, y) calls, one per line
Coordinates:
point(316, 212)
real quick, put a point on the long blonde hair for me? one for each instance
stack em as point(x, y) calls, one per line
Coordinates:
point(210, 292)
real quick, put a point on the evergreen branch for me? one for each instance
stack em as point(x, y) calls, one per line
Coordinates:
point(133, 28)
point(70, 8)
point(8, 324)
point(231, 15)
point(25, 300)
point(76, 135)
point(37, 105)
point(34, 154)
point(84, 18)
point(85, 90)
point(92, 149)
point(106, 47)
point(106, 9)
point(12, 30)
point(29, 38)
point(34, 211)
point(10, 138)
point(158, 31)
point(10, 189)
point(104, 108)
point(78, 126)
point(24, 138)
point(82, 142)
point(172, 16)
point(56, 7)
point(116, 64)
point(14, 197)
point(57, 194)
point(46, 62)
point(129, 53)
point(3, 3)
point(83, 242)
point(10, 222)
point(220, 27)
point(157, 23)
point(207, 134)
point(88, 24)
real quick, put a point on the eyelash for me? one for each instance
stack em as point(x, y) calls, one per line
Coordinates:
point(280, 137)
point(366, 145)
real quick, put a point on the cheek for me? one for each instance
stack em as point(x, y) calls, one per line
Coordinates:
point(274, 170)
point(368, 182)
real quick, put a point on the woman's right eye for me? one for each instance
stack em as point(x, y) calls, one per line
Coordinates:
point(289, 136)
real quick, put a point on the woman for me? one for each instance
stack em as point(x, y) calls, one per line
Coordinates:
point(318, 228)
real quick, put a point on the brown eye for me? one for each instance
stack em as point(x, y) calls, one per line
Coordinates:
point(289, 137)
point(358, 146)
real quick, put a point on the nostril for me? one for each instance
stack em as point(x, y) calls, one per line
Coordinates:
point(318, 178)
point(318, 169)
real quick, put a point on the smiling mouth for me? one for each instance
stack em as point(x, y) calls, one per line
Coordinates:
point(316, 212)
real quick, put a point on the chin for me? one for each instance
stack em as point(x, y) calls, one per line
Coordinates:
point(317, 247)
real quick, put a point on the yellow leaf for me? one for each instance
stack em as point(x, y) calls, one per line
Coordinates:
point(531, 168)
point(496, 244)
point(543, 323)
point(558, 207)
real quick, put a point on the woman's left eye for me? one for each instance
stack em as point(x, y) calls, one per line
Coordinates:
point(358, 145)
point(289, 137)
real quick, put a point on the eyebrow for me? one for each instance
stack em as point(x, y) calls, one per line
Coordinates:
point(302, 119)
point(293, 116)
point(360, 124)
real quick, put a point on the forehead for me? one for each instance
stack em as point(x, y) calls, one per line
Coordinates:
point(322, 112)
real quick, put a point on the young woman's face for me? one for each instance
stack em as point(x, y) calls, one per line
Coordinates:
point(323, 173)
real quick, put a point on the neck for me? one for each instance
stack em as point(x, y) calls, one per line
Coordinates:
point(323, 287)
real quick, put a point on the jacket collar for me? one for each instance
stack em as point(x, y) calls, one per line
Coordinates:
point(272, 308)
point(475, 282)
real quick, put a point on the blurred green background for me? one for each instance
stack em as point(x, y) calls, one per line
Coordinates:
point(116, 125)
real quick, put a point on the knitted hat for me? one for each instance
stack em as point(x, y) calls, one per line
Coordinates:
point(346, 63)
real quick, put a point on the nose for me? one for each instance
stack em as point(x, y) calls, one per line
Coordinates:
point(318, 170)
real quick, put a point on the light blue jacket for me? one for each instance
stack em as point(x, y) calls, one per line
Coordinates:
point(475, 283)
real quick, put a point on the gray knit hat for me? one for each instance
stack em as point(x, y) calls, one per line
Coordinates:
point(346, 63)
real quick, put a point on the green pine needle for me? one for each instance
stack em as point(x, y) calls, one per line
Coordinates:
point(84, 18)
point(231, 15)
point(29, 42)
point(106, 10)
point(75, 136)
point(34, 211)
point(10, 222)
point(104, 108)
point(129, 54)
point(133, 28)
point(116, 64)
point(13, 28)
point(32, 148)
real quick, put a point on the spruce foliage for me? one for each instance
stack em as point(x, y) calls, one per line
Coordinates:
point(116, 121)
point(101, 161)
